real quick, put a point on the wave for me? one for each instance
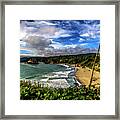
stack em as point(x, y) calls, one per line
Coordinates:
point(58, 75)
point(49, 73)
point(67, 66)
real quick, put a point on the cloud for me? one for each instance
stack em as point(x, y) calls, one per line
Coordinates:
point(83, 44)
point(90, 30)
point(71, 46)
point(35, 23)
point(42, 38)
point(45, 23)
point(59, 37)
point(47, 30)
point(69, 51)
point(62, 35)
point(37, 42)
point(22, 44)
point(52, 32)
point(84, 35)
point(81, 39)
point(56, 45)
point(43, 28)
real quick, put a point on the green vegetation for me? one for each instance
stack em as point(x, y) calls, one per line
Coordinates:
point(84, 60)
point(37, 92)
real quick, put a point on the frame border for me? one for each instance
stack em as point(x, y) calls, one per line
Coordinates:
point(62, 2)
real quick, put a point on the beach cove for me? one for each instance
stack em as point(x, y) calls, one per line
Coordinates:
point(83, 75)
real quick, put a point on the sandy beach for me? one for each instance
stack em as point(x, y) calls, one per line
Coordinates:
point(83, 75)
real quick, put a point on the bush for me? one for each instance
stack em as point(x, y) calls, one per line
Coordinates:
point(35, 92)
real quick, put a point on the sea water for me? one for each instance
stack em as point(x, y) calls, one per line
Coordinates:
point(53, 75)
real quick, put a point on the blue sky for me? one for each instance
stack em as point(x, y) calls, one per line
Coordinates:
point(58, 37)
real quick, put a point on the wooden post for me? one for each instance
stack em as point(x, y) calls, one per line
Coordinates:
point(93, 67)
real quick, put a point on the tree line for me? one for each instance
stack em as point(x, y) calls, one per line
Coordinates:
point(83, 60)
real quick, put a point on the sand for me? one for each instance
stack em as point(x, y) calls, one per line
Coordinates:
point(83, 75)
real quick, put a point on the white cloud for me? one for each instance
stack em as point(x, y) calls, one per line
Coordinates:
point(64, 35)
point(52, 32)
point(81, 39)
point(39, 23)
point(56, 45)
point(84, 35)
point(41, 38)
point(30, 29)
point(45, 23)
point(71, 46)
point(91, 31)
point(37, 42)
point(83, 44)
point(48, 30)
point(22, 35)
point(38, 36)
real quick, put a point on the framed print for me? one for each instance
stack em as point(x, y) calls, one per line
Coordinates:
point(59, 60)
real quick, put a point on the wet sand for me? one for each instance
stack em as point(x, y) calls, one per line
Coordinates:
point(83, 75)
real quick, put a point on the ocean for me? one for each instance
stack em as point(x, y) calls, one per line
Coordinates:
point(52, 75)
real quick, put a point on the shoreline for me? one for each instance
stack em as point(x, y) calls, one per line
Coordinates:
point(56, 78)
point(83, 76)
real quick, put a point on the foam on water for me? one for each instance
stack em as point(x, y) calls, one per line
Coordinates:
point(51, 75)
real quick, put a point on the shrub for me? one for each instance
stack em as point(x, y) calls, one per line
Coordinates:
point(35, 92)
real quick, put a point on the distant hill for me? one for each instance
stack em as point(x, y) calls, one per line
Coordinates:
point(84, 60)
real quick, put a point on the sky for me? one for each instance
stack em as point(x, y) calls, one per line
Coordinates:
point(58, 37)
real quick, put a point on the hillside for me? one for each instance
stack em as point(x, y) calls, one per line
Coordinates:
point(83, 60)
